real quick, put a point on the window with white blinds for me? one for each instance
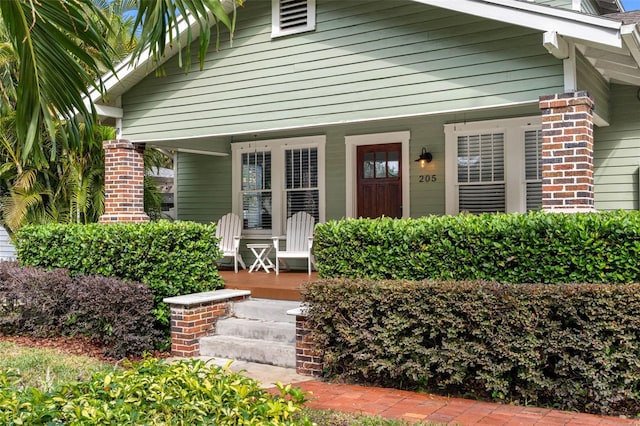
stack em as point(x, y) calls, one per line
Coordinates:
point(274, 179)
point(301, 181)
point(481, 186)
point(493, 165)
point(292, 16)
point(256, 190)
point(533, 168)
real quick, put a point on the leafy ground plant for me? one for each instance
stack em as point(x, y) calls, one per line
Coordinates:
point(152, 392)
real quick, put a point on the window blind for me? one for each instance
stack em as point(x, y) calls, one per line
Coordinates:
point(533, 168)
point(481, 186)
point(256, 190)
point(301, 181)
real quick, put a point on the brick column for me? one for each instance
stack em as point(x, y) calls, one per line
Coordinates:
point(308, 358)
point(123, 182)
point(567, 152)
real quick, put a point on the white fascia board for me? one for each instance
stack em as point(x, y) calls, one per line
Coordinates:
point(631, 39)
point(107, 111)
point(593, 29)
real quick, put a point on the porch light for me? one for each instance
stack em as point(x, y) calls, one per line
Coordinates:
point(425, 157)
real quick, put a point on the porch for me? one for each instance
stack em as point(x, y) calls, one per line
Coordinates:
point(285, 286)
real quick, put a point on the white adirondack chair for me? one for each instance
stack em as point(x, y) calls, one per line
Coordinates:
point(228, 231)
point(299, 240)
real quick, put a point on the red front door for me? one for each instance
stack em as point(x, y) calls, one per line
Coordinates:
point(380, 180)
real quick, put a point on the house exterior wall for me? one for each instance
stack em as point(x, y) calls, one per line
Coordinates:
point(617, 153)
point(204, 193)
point(203, 187)
point(366, 60)
point(591, 81)
point(565, 4)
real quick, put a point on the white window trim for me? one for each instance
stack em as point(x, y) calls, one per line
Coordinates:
point(275, 20)
point(277, 148)
point(351, 163)
point(514, 170)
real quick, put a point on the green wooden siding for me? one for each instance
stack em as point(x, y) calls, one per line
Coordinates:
point(589, 79)
point(617, 153)
point(590, 7)
point(204, 182)
point(203, 187)
point(564, 4)
point(366, 60)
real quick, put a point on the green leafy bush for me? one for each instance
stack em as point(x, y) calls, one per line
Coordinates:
point(154, 392)
point(172, 258)
point(510, 248)
point(43, 303)
point(571, 346)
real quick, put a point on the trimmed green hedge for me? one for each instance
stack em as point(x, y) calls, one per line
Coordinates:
point(510, 248)
point(172, 258)
point(570, 346)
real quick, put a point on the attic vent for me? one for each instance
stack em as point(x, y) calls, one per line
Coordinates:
point(293, 16)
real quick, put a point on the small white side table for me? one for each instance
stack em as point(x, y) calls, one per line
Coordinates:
point(261, 253)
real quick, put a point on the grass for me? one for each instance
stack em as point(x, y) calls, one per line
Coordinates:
point(337, 418)
point(43, 368)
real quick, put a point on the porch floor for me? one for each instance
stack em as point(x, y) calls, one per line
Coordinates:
point(285, 286)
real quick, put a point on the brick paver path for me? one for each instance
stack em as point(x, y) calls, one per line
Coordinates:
point(410, 406)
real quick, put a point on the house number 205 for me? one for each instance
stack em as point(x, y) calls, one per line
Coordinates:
point(427, 178)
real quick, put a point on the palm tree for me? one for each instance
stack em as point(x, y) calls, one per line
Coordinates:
point(62, 51)
point(37, 185)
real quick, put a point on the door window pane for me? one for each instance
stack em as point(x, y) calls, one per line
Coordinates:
point(381, 165)
point(393, 164)
point(368, 165)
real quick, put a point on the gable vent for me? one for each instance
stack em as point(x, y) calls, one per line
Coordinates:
point(293, 16)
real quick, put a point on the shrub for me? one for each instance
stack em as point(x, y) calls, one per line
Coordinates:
point(172, 258)
point(154, 392)
point(571, 346)
point(43, 303)
point(509, 248)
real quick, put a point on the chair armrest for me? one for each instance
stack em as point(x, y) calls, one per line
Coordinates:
point(310, 242)
point(236, 242)
point(276, 242)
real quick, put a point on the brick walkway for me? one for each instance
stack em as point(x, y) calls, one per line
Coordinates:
point(410, 406)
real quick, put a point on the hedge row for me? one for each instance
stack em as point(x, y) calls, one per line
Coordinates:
point(510, 248)
point(45, 303)
point(570, 346)
point(172, 258)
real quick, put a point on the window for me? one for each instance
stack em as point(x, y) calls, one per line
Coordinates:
point(292, 16)
point(275, 179)
point(533, 168)
point(494, 166)
point(256, 190)
point(481, 173)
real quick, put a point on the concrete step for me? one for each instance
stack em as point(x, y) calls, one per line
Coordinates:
point(271, 331)
point(260, 351)
point(265, 309)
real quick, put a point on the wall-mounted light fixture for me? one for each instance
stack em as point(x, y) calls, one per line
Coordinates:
point(425, 157)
